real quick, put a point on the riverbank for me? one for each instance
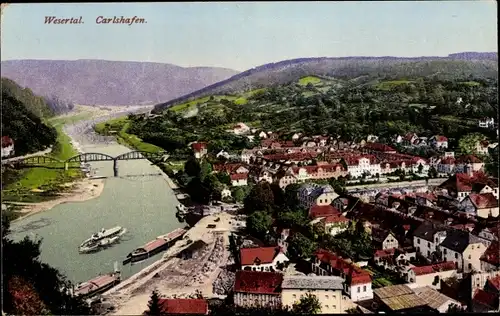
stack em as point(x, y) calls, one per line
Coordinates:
point(174, 276)
point(79, 191)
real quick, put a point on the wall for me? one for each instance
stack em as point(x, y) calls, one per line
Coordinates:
point(429, 279)
point(257, 300)
point(472, 255)
point(331, 301)
point(360, 292)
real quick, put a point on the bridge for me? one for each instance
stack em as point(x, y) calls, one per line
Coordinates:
point(43, 160)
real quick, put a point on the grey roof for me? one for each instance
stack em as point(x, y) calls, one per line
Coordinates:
point(427, 230)
point(458, 240)
point(312, 282)
point(433, 298)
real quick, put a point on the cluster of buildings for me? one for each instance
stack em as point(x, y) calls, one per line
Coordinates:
point(301, 159)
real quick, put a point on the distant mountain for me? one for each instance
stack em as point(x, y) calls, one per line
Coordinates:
point(104, 82)
point(460, 65)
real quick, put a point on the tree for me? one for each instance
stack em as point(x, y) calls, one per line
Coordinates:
point(192, 167)
point(238, 194)
point(30, 286)
point(432, 173)
point(223, 177)
point(205, 169)
point(308, 304)
point(300, 246)
point(154, 307)
point(260, 198)
point(258, 223)
point(467, 144)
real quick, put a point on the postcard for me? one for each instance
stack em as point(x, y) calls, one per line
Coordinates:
point(249, 157)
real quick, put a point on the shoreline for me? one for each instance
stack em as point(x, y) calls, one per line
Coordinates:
point(83, 190)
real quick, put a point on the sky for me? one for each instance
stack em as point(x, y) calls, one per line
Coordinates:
point(241, 35)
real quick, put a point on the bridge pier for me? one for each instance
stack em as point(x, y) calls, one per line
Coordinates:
point(115, 167)
point(66, 166)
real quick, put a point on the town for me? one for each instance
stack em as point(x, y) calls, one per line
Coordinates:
point(428, 229)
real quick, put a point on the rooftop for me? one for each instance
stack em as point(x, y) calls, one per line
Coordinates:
point(258, 282)
point(313, 283)
point(184, 306)
point(248, 256)
point(432, 297)
point(392, 291)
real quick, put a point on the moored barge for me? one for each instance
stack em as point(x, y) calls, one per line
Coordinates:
point(97, 285)
point(161, 243)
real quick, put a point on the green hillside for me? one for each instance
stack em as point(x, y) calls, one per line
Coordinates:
point(22, 119)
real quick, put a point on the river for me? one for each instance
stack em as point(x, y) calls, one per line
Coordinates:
point(145, 205)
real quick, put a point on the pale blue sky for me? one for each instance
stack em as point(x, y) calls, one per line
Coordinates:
point(243, 35)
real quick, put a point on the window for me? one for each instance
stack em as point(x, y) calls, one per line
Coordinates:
point(418, 241)
point(294, 296)
point(456, 255)
point(359, 289)
point(428, 244)
point(326, 306)
point(326, 296)
point(470, 266)
point(364, 288)
point(444, 251)
point(334, 307)
point(470, 257)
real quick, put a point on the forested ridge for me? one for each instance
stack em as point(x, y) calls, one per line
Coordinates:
point(22, 119)
point(456, 66)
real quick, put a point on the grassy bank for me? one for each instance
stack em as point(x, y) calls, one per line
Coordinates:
point(40, 184)
point(119, 126)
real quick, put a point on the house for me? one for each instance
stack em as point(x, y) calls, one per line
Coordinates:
point(240, 129)
point(482, 205)
point(328, 290)
point(482, 188)
point(341, 204)
point(254, 289)
point(446, 165)
point(314, 194)
point(410, 139)
point(262, 135)
point(358, 166)
point(393, 259)
point(482, 147)
point(426, 199)
point(183, 306)
point(435, 299)
point(318, 211)
point(486, 122)
point(471, 162)
point(459, 185)
point(296, 136)
point(397, 139)
point(372, 138)
point(383, 239)
point(398, 298)
point(490, 260)
point(225, 193)
point(439, 142)
point(200, 149)
point(427, 238)
point(266, 259)
point(239, 179)
point(463, 248)
point(431, 275)
point(485, 302)
point(358, 282)
point(223, 154)
point(7, 146)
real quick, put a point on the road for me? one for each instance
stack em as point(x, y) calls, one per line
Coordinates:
point(435, 181)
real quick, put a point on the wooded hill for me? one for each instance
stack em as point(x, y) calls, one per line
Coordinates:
point(358, 69)
point(22, 118)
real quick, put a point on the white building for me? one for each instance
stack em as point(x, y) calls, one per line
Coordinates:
point(357, 166)
point(439, 142)
point(427, 238)
point(487, 122)
point(312, 194)
point(265, 259)
point(464, 249)
point(7, 146)
point(431, 275)
point(239, 179)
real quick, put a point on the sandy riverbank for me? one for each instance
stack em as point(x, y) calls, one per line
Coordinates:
point(81, 191)
point(173, 276)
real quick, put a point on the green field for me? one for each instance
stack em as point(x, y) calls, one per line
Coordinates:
point(43, 183)
point(388, 85)
point(309, 79)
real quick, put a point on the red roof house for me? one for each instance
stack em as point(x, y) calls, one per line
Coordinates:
point(257, 282)
point(184, 306)
point(7, 141)
point(492, 254)
point(322, 211)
